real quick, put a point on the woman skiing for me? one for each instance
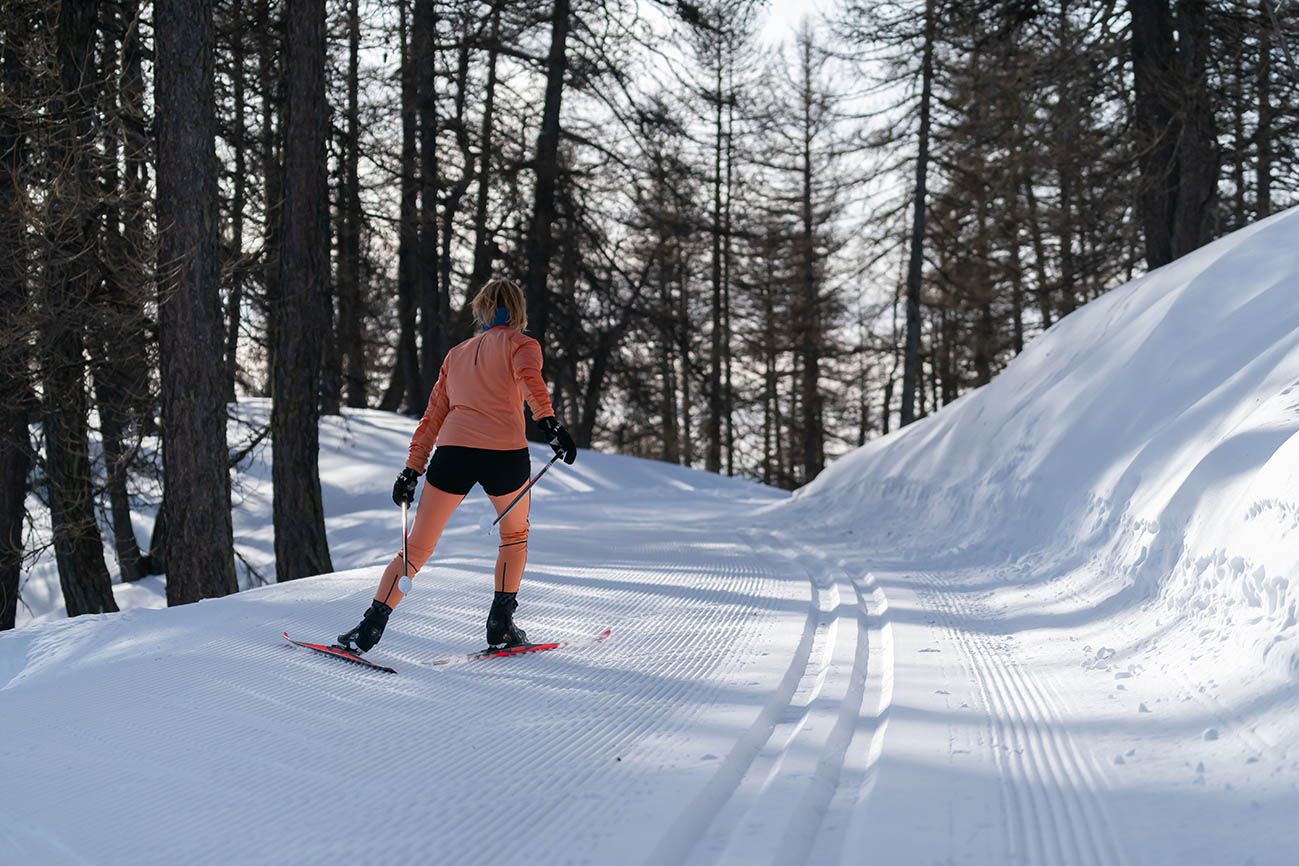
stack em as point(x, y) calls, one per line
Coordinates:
point(475, 417)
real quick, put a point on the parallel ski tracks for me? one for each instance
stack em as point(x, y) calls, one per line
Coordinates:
point(784, 793)
point(1050, 790)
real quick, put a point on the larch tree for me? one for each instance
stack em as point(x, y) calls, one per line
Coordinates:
point(16, 394)
point(70, 278)
point(299, 314)
point(199, 547)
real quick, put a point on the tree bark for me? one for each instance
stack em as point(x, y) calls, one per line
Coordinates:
point(272, 142)
point(482, 233)
point(301, 547)
point(911, 371)
point(350, 306)
point(810, 337)
point(1178, 157)
point(713, 431)
point(199, 548)
point(70, 280)
point(1264, 132)
point(1154, 82)
point(239, 144)
point(15, 387)
point(433, 331)
point(408, 227)
point(540, 242)
point(117, 341)
point(1199, 161)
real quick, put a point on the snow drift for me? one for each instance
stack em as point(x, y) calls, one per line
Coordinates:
point(1149, 435)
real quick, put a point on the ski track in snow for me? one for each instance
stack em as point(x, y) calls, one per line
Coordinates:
point(739, 713)
point(1050, 792)
point(771, 694)
point(763, 699)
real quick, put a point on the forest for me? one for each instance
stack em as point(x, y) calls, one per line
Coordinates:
point(745, 249)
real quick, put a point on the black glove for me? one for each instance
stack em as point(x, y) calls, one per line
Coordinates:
point(558, 438)
point(403, 489)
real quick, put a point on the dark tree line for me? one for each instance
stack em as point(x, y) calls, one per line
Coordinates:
point(739, 254)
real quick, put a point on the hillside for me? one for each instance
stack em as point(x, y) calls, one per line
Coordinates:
point(1051, 624)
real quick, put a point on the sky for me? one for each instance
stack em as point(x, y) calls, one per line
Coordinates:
point(784, 16)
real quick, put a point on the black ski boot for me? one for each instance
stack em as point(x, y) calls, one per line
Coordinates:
point(501, 630)
point(368, 632)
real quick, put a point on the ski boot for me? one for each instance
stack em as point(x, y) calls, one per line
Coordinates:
point(501, 630)
point(368, 632)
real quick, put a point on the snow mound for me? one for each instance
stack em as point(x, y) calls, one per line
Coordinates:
point(1149, 435)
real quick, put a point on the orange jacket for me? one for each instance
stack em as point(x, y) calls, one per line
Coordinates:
point(478, 399)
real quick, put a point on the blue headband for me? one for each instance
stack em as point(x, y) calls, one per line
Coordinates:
point(502, 318)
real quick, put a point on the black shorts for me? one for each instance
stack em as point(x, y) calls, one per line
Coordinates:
point(456, 469)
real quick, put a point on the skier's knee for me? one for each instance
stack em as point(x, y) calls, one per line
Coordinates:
point(514, 535)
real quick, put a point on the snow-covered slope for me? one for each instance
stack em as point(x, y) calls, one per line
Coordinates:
point(1105, 538)
point(1051, 624)
point(1153, 429)
point(197, 735)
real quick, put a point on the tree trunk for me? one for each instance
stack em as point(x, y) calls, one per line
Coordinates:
point(15, 388)
point(199, 548)
point(70, 281)
point(728, 402)
point(915, 267)
point(408, 227)
point(433, 332)
point(1039, 253)
point(1016, 267)
point(111, 397)
point(810, 327)
point(1152, 67)
point(117, 343)
point(1173, 118)
point(713, 431)
point(1199, 160)
point(667, 368)
point(540, 242)
point(135, 207)
point(272, 144)
point(683, 331)
point(1264, 133)
point(460, 327)
point(350, 307)
point(330, 388)
point(301, 548)
point(482, 233)
point(239, 145)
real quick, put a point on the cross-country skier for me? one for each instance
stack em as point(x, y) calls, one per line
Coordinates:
point(475, 417)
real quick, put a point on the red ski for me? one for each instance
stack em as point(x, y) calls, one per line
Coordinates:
point(339, 653)
point(498, 652)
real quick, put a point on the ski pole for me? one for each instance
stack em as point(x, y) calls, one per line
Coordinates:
point(404, 583)
point(524, 491)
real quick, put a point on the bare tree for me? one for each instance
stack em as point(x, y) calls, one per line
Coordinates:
point(70, 279)
point(1174, 125)
point(199, 547)
point(301, 548)
point(16, 396)
point(540, 241)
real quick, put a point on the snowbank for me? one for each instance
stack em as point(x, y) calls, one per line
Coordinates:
point(1146, 442)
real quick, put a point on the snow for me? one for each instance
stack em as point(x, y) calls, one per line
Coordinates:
point(1053, 623)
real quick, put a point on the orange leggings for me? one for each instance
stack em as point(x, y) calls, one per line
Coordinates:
point(435, 508)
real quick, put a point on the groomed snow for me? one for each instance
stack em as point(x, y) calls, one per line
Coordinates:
point(1051, 624)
